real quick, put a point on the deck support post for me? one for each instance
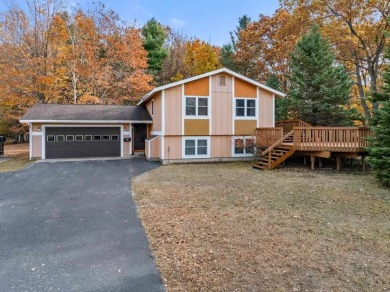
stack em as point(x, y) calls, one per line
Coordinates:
point(304, 160)
point(338, 163)
point(269, 160)
point(364, 163)
point(320, 162)
point(313, 160)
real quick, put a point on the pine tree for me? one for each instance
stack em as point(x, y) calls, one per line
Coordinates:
point(380, 142)
point(154, 38)
point(320, 89)
point(226, 57)
point(281, 104)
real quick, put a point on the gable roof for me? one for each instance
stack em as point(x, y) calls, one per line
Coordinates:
point(218, 71)
point(67, 113)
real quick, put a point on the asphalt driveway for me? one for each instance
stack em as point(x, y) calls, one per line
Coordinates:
point(73, 226)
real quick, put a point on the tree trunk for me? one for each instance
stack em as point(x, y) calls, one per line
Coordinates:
point(362, 95)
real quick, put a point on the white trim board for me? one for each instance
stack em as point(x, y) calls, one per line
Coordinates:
point(86, 121)
point(222, 70)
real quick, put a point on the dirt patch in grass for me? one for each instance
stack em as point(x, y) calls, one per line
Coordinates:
point(225, 227)
point(17, 157)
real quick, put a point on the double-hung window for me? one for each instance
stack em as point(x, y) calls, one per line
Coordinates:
point(244, 146)
point(197, 106)
point(245, 107)
point(196, 147)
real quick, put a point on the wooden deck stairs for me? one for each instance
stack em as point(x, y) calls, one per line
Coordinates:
point(276, 153)
point(297, 136)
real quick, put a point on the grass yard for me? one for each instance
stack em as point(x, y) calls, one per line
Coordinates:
point(225, 227)
point(18, 157)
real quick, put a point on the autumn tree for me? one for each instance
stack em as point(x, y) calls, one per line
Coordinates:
point(201, 57)
point(52, 56)
point(357, 30)
point(264, 47)
point(28, 54)
point(173, 67)
point(319, 89)
point(227, 52)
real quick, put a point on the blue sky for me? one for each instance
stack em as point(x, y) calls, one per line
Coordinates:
point(210, 20)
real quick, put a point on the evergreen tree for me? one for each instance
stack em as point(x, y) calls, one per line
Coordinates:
point(281, 104)
point(380, 141)
point(154, 38)
point(320, 89)
point(226, 57)
point(243, 23)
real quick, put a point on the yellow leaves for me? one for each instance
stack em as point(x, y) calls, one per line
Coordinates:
point(89, 99)
point(201, 57)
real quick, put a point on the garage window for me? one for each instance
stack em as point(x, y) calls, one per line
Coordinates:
point(114, 137)
point(97, 138)
point(88, 138)
point(60, 138)
point(69, 138)
point(106, 137)
point(78, 138)
point(51, 138)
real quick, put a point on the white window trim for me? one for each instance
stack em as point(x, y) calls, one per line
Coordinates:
point(234, 146)
point(196, 145)
point(246, 117)
point(196, 107)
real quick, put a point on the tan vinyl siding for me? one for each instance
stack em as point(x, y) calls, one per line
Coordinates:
point(196, 127)
point(221, 146)
point(265, 108)
point(154, 148)
point(126, 146)
point(221, 100)
point(197, 88)
point(35, 127)
point(245, 127)
point(174, 144)
point(244, 89)
point(173, 111)
point(157, 112)
point(36, 146)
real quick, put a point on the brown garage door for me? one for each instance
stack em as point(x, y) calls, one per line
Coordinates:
point(82, 142)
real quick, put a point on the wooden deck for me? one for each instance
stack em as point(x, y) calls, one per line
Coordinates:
point(312, 141)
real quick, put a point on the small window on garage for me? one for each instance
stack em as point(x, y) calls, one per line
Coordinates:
point(51, 138)
point(106, 137)
point(60, 138)
point(69, 138)
point(97, 138)
point(78, 138)
point(114, 137)
point(88, 138)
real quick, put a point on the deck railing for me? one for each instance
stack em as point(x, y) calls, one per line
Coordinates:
point(289, 125)
point(268, 135)
point(340, 139)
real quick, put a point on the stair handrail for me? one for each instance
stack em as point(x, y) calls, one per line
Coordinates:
point(277, 143)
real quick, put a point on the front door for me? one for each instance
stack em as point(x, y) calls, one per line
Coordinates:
point(140, 134)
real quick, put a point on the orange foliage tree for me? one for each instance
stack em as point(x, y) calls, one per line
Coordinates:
point(51, 56)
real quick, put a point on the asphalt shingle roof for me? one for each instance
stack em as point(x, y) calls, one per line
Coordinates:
point(71, 112)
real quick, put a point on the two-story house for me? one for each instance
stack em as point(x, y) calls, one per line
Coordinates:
point(207, 116)
point(212, 116)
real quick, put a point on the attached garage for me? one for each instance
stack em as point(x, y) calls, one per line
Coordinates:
point(82, 142)
point(85, 131)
